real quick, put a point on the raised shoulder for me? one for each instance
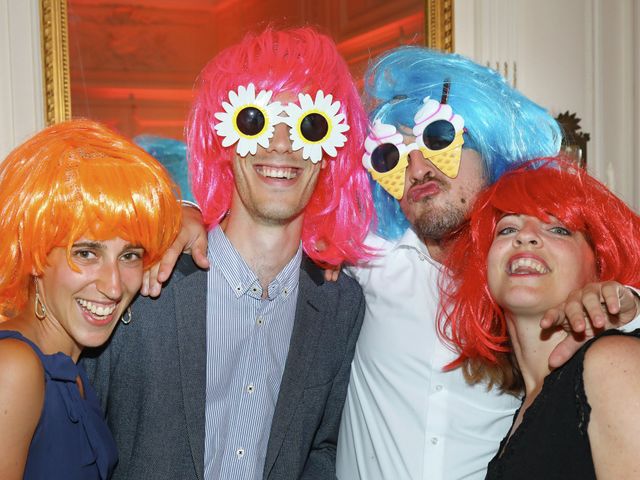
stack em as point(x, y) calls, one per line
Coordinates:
point(21, 400)
point(617, 356)
point(612, 385)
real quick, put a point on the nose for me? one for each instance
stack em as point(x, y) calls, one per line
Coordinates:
point(280, 142)
point(110, 281)
point(528, 235)
point(419, 167)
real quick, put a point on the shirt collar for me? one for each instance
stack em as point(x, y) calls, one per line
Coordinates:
point(224, 256)
point(410, 240)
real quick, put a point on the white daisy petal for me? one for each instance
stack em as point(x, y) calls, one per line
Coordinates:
point(230, 140)
point(333, 110)
point(331, 150)
point(314, 153)
point(242, 148)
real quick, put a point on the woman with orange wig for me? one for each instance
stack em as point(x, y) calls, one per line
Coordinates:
point(83, 213)
point(539, 233)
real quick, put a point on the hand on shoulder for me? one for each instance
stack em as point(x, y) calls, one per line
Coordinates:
point(21, 401)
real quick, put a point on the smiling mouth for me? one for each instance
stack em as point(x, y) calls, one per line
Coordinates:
point(282, 173)
point(527, 266)
point(97, 310)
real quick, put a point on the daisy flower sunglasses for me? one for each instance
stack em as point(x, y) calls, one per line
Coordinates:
point(249, 120)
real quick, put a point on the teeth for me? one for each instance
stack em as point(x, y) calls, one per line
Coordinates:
point(273, 172)
point(96, 309)
point(527, 263)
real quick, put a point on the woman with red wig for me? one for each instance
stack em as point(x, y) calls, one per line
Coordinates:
point(83, 214)
point(536, 235)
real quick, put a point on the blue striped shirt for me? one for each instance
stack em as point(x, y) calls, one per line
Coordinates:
point(247, 344)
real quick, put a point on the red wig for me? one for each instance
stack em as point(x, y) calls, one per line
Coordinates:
point(78, 179)
point(337, 218)
point(469, 317)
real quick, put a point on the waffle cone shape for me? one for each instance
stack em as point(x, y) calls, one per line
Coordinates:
point(393, 180)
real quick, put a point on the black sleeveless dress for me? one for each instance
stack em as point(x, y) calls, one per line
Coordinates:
point(552, 441)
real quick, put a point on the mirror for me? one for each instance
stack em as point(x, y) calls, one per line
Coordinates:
point(131, 63)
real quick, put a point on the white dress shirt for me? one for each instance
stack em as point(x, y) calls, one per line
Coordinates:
point(404, 418)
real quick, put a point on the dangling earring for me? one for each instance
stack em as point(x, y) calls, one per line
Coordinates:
point(126, 318)
point(39, 308)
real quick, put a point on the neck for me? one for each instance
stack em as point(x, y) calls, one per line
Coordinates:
point(266, 247)
point(532, 347)
point(436, 248)
point(47, 334)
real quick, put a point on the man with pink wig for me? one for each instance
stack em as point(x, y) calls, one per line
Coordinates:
point(241, 372)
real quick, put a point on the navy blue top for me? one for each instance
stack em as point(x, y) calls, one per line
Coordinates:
point(72, 440)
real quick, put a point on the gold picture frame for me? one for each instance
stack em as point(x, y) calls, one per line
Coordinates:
point(439, 28)
point(55, 60)
point(439, 24)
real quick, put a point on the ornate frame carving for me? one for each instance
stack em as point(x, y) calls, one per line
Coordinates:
point(439, 26)
point(55, 60)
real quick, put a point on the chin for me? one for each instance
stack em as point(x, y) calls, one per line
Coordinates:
point(279, 216)
point(96, 339)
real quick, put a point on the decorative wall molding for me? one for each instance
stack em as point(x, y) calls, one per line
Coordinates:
point(439, 24)
point(55, 54)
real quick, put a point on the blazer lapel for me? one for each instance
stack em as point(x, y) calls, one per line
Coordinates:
point(304, 340)
point(190, 297)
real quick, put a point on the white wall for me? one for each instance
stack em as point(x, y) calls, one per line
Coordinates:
point(576, 55)
point(21, 97)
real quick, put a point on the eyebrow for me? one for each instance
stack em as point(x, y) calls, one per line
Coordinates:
point(505, 214)
point(101, 245)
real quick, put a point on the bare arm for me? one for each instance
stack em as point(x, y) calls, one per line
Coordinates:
point(612, 385)
point(192, 239)
point(594, 307)
point(21, 401)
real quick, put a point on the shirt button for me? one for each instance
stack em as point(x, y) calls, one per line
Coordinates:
point(439, 388)
point(422, 257)
point(240, 452)
point(259, 321)
point(251, 388)
point(434, 440)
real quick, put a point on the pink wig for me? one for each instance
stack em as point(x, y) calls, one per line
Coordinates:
point(475, 324)
point(337, 218)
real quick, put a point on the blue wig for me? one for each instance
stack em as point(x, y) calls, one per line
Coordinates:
point(173, 155)
point(502, 125)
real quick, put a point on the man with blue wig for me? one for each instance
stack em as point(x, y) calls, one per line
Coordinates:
point(442, 129)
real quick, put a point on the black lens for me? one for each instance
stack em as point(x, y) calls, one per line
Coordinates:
point(314, 127)
point(250, 121)
point(385, 157)
point(438, 135)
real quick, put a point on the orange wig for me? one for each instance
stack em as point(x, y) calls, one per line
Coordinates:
point(78, 179)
